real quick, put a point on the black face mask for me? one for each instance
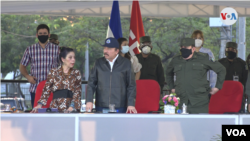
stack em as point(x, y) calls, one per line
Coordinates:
point(185, 53)
point(230, 54)
point(43, 38)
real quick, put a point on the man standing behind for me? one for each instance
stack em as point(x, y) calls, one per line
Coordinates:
point(112, 80)
point(237, 68)
point(151, 63)
point(43, 56)
point(191, 83)
point(54, 39)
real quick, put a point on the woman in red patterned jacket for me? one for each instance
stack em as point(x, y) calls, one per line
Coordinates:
point(65, 83)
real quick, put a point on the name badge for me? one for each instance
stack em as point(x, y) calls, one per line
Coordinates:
point(235, 78)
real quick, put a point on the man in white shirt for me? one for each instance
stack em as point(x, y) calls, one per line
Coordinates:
point(112, 80)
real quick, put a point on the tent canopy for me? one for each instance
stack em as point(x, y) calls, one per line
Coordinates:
point(159, 9)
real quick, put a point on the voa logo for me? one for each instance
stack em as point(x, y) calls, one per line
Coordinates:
point(236, 132)
point(228, 16)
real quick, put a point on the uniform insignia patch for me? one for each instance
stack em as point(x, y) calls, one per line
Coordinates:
point(212, 59)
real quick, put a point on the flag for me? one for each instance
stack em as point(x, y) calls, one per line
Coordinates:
point(114, 27)
point(136, 29)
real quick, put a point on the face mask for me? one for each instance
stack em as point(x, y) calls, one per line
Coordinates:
point(146, 50)
point(198, 42)
point(43, 38)
point(230, 54)
point(125, 49)
point(185, 53)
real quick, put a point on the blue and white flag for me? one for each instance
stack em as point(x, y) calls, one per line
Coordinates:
point(115, 28)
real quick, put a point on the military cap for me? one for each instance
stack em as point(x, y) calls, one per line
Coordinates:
point(145, 39)
point(232, 45)
point(187, 42)
point(53, 36)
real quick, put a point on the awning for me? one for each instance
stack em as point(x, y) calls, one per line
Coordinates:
point(156, 9)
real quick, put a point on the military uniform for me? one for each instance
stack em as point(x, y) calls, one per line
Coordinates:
point(151, 65)
point(237, 67)
point(191, 83)
point(54, 39)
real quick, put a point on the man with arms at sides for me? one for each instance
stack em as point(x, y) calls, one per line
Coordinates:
point(112, 80)
point(237, 69)
point(42, 56)
point(151, 63)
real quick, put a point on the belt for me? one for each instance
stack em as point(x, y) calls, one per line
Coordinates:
point(64, 93)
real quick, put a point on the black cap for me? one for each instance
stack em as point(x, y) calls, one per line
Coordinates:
point(111, 43)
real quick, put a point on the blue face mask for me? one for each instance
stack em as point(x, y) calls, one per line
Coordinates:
point(125, 49)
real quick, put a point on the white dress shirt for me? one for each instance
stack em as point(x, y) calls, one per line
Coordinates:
point(112, 63)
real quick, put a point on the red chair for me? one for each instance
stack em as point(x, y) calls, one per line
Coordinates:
point(147, 96)
point(228, 99)
point(38, 95)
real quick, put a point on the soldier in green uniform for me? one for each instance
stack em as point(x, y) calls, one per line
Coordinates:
point(237, 68)
point(191, 83)
point(151, 63)
point(54, 39)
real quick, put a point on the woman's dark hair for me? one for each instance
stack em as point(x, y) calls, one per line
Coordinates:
point(120, 40)
point(42, 26)
point(64, 51)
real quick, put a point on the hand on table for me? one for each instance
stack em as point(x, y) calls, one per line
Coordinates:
point(34, 110)
point(131, 109)
point(70, 109)
point(89, 106)
point(173, 90)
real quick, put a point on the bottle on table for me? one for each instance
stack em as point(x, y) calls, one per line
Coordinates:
point(184, 109)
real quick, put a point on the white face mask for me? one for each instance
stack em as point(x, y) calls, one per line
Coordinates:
point(125, 49)
point(198, 42)
point(146, 50)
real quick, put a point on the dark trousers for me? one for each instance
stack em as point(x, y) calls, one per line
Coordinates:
point(32, 95)
point(242, 109)
point(118, 110)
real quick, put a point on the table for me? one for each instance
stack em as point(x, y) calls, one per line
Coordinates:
point(114, 127)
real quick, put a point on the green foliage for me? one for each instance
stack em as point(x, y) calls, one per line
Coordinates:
point(18, 32)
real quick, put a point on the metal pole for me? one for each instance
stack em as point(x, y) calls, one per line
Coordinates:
point(86, 72)
point(225, 34)
point(242, 38)
point(87, 62)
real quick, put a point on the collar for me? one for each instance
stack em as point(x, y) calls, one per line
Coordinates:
point(60, 70)
point(45, 45)
point(149, 56)
point(234, 60)
point(113, 59)
point(194, 56)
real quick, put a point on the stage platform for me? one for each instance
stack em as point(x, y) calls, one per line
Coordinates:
point(115, 127)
